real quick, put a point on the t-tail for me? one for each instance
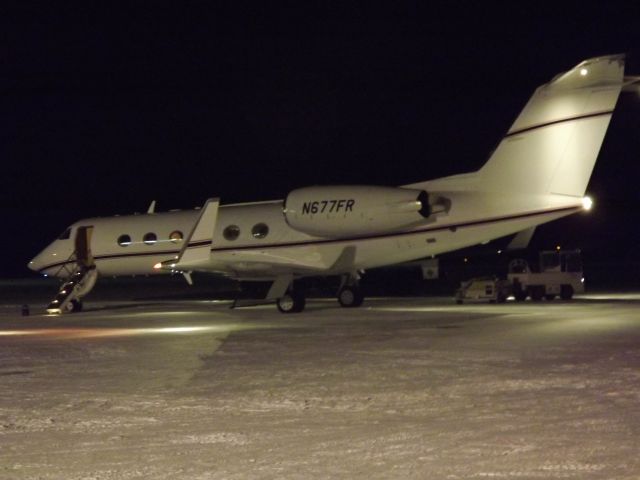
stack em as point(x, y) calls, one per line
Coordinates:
point(552, 146)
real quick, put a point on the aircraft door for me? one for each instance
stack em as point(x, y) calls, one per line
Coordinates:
point(83, 246)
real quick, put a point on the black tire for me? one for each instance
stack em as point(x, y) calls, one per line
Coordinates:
point(518, 292)
point(520, 295)
point(292, 302)
point(501, 298)
point(350, 297)
point(537, 293)
point(566, 292)
point(74, 306)
point(549, 296)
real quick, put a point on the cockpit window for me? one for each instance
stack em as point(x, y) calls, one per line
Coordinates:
point(65, 235)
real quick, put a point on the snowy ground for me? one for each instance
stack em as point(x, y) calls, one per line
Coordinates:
point(402, 388)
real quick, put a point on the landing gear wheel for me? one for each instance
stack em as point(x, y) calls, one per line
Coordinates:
point(291, 302)
point(520, 295)
point(566, 292)
point(74, 306)
point(549, 297)
point(350, 297)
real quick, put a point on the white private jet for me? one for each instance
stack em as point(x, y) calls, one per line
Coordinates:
point(538, 173)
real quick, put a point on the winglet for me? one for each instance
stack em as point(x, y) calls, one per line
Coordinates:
point(197, 247)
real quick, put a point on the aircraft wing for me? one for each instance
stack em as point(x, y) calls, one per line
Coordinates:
point(277, 263)
point(304, 261)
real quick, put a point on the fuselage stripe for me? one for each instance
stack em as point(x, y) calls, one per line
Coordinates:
point(452, 227)
point(398, 234)
point(555, 122)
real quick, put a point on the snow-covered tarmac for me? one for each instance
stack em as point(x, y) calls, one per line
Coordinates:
point(401, 388)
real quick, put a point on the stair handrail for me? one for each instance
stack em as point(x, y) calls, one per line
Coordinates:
point(65, 264)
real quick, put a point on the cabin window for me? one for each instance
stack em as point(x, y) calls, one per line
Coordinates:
point(65, 235)
point(231, 232)
point(124, 240)
point(260, 230)
point(150, 238)
point(176, 236)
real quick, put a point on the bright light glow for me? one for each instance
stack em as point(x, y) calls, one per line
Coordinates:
point(157, 266)
point(178, 329)
point(558, 247)
point(587, 203)
point(79, 333)
point(583, 71)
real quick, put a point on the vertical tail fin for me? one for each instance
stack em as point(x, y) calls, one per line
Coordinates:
point(552, 146)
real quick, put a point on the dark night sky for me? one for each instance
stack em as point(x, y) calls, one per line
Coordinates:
point(104, 109)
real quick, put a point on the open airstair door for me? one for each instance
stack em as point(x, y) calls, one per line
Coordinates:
point(81, 280)
point(83, 247)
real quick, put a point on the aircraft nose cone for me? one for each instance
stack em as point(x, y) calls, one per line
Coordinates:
point(35, 263)
point(38, 262)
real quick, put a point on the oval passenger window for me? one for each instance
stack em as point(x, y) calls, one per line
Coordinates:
point(124, 240)
point(231, 232)
point(260, 230)
point(149, 238)
point(176, 236)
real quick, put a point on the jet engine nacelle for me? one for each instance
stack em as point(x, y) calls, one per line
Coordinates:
point(341, 211)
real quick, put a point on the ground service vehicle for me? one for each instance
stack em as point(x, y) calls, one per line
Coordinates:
point(560, 274)
point(492, 289)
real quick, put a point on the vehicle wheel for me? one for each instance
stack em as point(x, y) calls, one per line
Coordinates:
point(566, 292)
point(549, 296)
point(350, 297)
point(501, 298)
point(74, 306)
point(520, 295)
point(292, 302)
point(537, 293)
point(459, 302)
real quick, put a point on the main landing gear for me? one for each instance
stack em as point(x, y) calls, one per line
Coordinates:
point(349, 295)
point(292, 302)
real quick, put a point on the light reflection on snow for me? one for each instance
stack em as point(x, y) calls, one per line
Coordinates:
point(110, 332)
